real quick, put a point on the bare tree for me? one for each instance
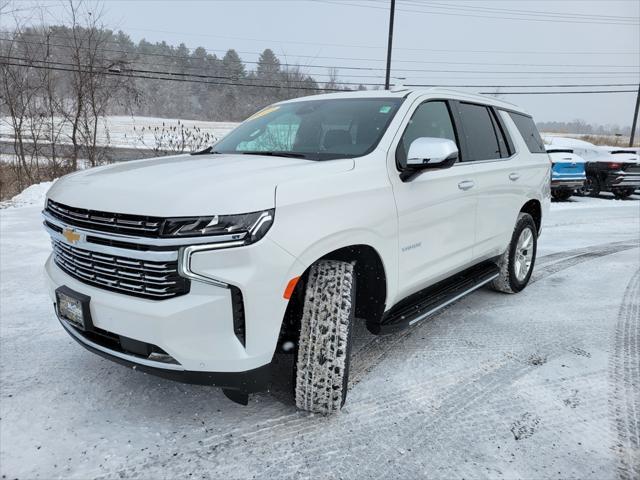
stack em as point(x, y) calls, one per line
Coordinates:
point(20, 90)
point(57, 84)
point(96, 82)
point(332, 83)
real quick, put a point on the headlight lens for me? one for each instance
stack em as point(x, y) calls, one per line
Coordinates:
point(249, 226)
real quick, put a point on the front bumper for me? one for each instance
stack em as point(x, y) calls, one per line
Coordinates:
point(250, 381)
point(197, 329)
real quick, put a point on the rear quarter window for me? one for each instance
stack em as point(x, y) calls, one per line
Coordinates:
point(529, 132)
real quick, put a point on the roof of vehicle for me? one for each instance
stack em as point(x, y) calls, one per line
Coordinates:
point(589, 151)
point(569, 142)
point(565, 156)
point(405, 92)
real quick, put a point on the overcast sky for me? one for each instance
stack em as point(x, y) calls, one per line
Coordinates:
point(446, 42)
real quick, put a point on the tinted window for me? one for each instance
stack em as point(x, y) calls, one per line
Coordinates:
point(431, 119)
point(529, 132)
point(502, 142)
point(479, 133)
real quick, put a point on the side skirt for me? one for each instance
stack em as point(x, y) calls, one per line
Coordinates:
point(428, 301)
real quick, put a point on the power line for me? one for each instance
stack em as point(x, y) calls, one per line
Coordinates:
point(559, 92)
point(548, 75)
point(343, 45)
point(345, 67)
point(492, 17)
point(220, 77)
point(177, 74)
point(524, 86)
point(537, 13)
point(207, 50)
point(189, 80)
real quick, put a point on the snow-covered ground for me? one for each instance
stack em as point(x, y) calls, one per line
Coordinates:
point(543, 384)
point(602, 139)
point(121, 131)
point(32, 195)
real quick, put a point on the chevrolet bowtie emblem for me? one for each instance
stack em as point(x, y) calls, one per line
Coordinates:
point(71, 236)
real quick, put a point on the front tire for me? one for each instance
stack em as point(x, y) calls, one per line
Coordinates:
point(324, 346)
point(516, 264)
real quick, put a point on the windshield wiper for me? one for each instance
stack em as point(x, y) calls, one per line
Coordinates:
point(278, 154)
point(205, 151)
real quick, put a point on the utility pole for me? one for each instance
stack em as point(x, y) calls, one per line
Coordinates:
point(389, 45)
point(635, 119)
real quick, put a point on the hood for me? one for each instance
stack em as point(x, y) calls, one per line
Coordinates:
point(188, 185)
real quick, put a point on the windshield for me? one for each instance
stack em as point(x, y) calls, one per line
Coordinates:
point(314, 129)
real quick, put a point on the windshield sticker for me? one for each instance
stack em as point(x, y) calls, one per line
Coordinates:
point(385, 109)
point(263, 112)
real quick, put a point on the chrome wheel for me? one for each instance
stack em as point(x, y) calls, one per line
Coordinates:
point(523, 254)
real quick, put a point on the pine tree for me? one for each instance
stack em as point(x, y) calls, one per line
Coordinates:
point(232, 65)
point(268, 66)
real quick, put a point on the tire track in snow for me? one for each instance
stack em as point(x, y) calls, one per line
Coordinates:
point(578, 251)
point(372, 353)
point(222, 450)
point(587, 254)
point(625, 376)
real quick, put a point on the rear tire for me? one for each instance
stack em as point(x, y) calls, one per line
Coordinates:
point(623, 192)
point(561, 194)
point(324, 346)
point(591, 187)
point(516, 264)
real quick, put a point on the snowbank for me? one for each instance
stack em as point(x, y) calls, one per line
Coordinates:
point(33, 195)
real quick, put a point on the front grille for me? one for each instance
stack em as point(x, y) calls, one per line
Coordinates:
point(126, 224)
point(142, 278)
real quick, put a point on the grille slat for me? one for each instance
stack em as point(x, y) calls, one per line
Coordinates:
point(109, 261)
point(154, 280)
point(120, 223)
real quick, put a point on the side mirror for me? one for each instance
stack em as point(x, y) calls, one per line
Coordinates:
point(427, 153)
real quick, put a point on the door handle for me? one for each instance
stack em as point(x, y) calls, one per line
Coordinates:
point(466, 184)
point(514, 176)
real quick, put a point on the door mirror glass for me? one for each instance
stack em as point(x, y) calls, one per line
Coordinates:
point(427, 153)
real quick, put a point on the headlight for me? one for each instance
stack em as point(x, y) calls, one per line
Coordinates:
point(250, 227)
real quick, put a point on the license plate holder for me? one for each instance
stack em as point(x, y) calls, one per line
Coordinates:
point(73, 307)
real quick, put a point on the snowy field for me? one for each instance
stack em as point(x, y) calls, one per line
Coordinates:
point(544, 384)
point(121, 131)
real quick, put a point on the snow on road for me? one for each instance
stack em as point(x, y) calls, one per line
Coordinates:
point(543, 384)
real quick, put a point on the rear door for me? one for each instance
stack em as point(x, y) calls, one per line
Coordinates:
point(489, 154)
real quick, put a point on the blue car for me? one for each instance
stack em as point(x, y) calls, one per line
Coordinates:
point(568, 173)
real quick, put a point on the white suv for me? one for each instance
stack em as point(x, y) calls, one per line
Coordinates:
point(382, 206)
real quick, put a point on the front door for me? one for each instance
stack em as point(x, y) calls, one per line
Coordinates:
point(436, 209)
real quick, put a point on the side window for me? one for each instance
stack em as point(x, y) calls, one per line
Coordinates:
point(479, 132)
point(502, 142)
point(431, 119)
point(529, 132)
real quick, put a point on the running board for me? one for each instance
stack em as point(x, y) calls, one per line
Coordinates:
point(426, 302)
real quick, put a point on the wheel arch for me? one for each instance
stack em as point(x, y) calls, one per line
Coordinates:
point(371, 279)
point(534, 208)
point(371, 286)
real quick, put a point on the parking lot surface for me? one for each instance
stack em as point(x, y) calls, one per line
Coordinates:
point(543, 384)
